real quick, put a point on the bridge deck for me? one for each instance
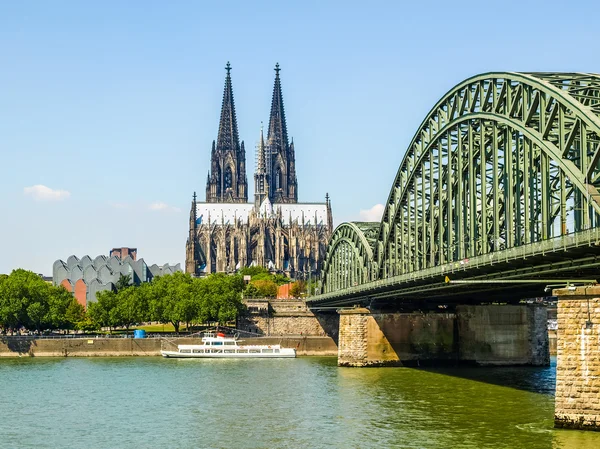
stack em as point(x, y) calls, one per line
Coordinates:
point(570, 257)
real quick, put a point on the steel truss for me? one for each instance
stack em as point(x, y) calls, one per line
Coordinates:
point(502, 161)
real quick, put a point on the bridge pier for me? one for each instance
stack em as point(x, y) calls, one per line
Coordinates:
point(480, 334)
point(577, 400)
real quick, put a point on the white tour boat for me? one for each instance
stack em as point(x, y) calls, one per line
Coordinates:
point(220, 346)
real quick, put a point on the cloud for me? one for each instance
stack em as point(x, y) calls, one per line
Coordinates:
point(160, 206)
point(42, 193)
point(373, 214)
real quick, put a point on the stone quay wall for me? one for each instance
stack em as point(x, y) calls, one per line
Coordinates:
point(127, 347)
point(577, 400)
point(272, 317)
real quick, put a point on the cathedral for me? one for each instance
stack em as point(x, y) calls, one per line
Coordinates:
point(227, 232)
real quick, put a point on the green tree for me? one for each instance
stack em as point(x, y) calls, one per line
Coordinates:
point(204, 307)
point(105, 311)
point(255, 272)
point(75, 316)
point(59, 300)
point(224, 294)
point(36, 314)
point(123, 282)
point(266, 288)
point(18, 291)
point(170, 300)
point(128, 306)
point(281, 279)
point(297, 289)
point(252, 291)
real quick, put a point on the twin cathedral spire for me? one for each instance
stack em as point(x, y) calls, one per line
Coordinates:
point(275, 175)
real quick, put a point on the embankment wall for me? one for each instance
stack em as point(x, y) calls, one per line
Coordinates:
point(118, 347)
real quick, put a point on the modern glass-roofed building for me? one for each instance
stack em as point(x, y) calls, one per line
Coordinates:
point(86, 276)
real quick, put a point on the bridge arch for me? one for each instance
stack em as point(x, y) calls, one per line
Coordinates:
point(349, 258)
point(502, 160)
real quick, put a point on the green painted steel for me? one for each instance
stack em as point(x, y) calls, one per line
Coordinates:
point(503, 162)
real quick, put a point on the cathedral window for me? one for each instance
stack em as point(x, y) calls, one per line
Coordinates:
point(227, 179)
point(278, 179)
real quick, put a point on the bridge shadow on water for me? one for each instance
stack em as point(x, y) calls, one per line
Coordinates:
point(534, 379)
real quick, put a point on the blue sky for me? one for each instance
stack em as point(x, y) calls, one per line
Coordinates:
point(108, 109)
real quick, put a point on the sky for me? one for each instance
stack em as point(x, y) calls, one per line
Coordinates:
point(108, 109)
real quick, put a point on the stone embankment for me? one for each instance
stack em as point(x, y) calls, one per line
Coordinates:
point(116, 347)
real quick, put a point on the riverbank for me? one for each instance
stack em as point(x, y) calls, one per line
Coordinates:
point(119, 347)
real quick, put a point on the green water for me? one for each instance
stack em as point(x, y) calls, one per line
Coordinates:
point(287, 403)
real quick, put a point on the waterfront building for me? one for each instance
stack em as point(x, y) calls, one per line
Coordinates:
point(86, 276)
point(226, 232)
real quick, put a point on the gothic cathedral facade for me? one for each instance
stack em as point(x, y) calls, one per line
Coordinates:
point(226, 232)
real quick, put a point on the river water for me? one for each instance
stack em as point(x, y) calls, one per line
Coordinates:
point(308, 402)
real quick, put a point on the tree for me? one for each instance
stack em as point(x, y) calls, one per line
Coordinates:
point(252, 291)
point(123, 282)
point(75, 317)
point(261, 273)
point(266, 288)
point(105, 312)
point(281, 279)
point(18, 291)
point(59, 300)
point(254, 271)
point(128, 302)
point(297, 289)
point(170, 298)
point(36, 312)
point(223, 296)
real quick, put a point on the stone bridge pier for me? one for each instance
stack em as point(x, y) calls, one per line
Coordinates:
point(577, 403)
point(480, 334)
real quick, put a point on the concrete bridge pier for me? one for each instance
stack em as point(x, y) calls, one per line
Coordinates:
point(477, 334)
point(577, 400)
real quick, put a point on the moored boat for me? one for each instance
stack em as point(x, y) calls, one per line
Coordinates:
point(220, 346)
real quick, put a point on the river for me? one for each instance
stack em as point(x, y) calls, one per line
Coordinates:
point(150, 402)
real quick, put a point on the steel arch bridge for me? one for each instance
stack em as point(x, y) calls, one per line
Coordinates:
point(501, 179)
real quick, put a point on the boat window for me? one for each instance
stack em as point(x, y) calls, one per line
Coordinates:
point(198, 351)
point(254, 351)
point(207, 343)
point(230, 343)
point(267, 351)
point(276, 351)
point(229, 351)
point(242, 351)
point(217, 351)
point(185, 351)
point(217, 343)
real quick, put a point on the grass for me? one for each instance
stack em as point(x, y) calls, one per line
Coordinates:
point(160, 328)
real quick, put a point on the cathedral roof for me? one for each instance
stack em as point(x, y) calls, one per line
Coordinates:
point(227, 213)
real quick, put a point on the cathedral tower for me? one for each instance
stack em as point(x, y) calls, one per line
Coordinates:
point(227, 181)
point(280, 157)
point(193, 252)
